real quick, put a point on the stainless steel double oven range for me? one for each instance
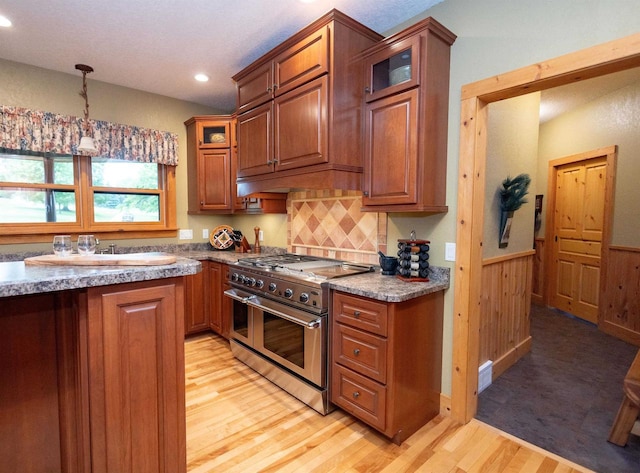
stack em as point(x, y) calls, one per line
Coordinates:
point(279, 322)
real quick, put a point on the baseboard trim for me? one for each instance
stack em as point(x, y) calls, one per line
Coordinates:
point(509, 358)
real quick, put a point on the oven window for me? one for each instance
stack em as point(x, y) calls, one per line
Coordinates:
point(284, 338)
point(241, 318)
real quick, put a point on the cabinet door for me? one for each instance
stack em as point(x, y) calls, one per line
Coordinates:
point(196, 304)
point(214, 179)
point(393, 69)
point(391, 150)
point(255, 88)
point(301, 126)
point(214, 134)
point(214, 289)
point(302, 62)
point(255, 144)
point(136, 377)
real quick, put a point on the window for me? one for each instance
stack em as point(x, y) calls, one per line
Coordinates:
point(44, 194)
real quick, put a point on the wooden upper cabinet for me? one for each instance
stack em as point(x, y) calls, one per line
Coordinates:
point(255, 142)
point(301, 127)
point(212, 163)
point(302, 62)
point(405, 114)
point(393, 69)
point(391, 150)
point(255, 88)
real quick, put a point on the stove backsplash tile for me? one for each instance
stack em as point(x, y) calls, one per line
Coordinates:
point(329, 223)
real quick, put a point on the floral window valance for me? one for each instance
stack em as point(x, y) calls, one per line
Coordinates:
point(22, 129)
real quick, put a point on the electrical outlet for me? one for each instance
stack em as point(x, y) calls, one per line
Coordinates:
point(260, 235)
point(449, 251)
point(205, 233)
point(185, 234)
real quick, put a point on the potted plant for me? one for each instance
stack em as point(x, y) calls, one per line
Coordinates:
point(512, 196)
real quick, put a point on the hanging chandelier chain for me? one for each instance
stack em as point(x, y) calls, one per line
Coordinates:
point(85, 70)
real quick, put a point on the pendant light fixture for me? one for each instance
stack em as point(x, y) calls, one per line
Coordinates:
point(86, 142)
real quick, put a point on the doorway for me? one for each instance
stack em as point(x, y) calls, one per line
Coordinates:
point(593, 62)
point(579, 209)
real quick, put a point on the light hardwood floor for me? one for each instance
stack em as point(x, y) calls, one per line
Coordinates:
point(237, 421)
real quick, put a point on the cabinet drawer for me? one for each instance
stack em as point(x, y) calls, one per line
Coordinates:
point(358, 312)
point(360, 396)
point(256, 88)
point(362, 352)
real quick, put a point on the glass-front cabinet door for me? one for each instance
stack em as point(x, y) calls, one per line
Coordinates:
point(393, 69)
point(214, 134)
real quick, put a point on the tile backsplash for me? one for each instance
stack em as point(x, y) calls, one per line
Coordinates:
point(329, 223)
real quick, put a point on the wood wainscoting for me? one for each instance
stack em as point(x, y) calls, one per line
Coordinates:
point(620, 296)
point(505, 308)
point(537, 284)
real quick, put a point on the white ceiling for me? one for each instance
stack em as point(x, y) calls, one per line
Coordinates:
point(159, 45)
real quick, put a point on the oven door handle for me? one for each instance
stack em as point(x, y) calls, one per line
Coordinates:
point(240, 297)
point(310, 324)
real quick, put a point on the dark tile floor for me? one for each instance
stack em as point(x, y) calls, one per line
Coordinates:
point(564, 395)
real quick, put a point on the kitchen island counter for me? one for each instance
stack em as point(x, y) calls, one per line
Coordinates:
point(18, 279)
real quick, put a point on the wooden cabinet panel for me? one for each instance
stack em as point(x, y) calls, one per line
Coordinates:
point(255, 88)
point(301, 126)
point(361, 351)
point(302, 62)
point(362, 313)
point(360, 396)
point(215, 179)
point(391, 150)
point(136, 377)
point(255, 143)
point(196, 313)
point(214, 288)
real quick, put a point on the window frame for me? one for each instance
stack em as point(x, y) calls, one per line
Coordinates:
point(166, 227)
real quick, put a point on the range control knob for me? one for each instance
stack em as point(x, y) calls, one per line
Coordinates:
point(272, 286)
point(304, 297)
point(235, 277)
point(259, 283)
point(251, 281)
point(288, 293)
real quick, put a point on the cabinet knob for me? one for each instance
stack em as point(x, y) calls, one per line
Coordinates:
point(356, 314)
point(275, 86)
point(367, 90)
point(200, 142)
point(356, 351)
point(365, 193)
point(356, 394)
point(268, 90)
point(269, 162)
point(275, 161)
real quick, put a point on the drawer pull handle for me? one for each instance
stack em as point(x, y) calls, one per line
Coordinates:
point(356, 314)
point(356, 351)
point(356, 394)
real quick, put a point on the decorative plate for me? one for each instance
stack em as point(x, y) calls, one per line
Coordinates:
point(221, 237)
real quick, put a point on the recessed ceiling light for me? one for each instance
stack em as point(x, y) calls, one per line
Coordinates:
point(4, 21)
point(201, 77)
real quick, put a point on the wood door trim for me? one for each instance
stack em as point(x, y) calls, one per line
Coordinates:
point(613, 56)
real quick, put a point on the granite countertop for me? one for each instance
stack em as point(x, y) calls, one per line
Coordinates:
point(18, 279)
point(375, 285)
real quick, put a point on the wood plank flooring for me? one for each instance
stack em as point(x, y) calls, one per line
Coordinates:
point(237, 421)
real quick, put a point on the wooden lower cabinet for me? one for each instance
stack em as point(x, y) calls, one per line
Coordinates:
point(136, 378)
point(386, 361)
point(92, 380)
point(205, 307)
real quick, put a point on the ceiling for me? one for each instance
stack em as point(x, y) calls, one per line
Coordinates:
point(159, 45)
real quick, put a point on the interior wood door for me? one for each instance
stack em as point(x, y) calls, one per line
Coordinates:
point(578, 229)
